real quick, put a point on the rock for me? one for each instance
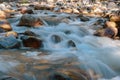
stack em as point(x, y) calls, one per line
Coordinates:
point(11, 33)
point(31, 42)
point(75, 11)
point(56, 38)
point(83, 18)
point(71, 43)
point(29, 33)
point(111, 32)
point(43, 7)
point(24, 10)
point(99, 32)
point(9, 42)
point(115, 19)
point(3, 15)
point(30, 21)
point(110, 24)
point(4, 24)
point(67, 10)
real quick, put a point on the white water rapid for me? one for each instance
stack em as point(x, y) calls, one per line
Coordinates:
point(99, 56)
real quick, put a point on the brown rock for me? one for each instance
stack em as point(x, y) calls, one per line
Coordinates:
point(115, 18)
point(4, 24)
point(32, 42)
point(30, 21)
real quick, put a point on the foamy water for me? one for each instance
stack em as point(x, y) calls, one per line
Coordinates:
point(98, 54)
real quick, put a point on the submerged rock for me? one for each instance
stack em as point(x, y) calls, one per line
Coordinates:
point(30, 21)
point(9, 42)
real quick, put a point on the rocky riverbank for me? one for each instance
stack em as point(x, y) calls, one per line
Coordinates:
point(31, 35)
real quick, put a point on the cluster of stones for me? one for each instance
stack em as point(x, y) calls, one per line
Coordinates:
point(10, 39)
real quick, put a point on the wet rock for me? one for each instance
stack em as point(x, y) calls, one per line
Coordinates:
point(11, 33)
point(31, 42)
point(4, 24)
point(30, 21)
point(9, 42)
point(71, 44)
point(24, 10)
point(99, 32)
point(56, 38)
point(43, 7)
point(29, 33)
point(83, 18)
point(116, 19)
point(110, 31)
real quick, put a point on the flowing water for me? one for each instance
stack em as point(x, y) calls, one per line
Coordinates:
point(99, 56)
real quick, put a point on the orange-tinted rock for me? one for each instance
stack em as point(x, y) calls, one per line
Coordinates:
point(30, 21)
point(115, 18)
point(11, 33)
point(3, 15)
point(110, 24)
point(4, 24)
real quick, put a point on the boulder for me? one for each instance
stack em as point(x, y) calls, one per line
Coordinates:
point(4, 24)
point(9, 42)
point(30, 21)
point(32, 42)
